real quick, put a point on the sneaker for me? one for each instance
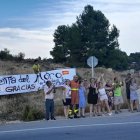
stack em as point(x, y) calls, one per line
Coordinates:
point(53, 118)
point(83, 116)
point(76, 116)
point(110, 113)
point(116, 112)
point(120, 111)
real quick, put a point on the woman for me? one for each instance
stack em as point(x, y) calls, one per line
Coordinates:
point(82, 99)
point(67, 98)
point(92, 97)
point(133, 95)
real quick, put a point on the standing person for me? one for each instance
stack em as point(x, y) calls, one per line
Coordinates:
point(37, 70)
point(133, 95)
point(82, 99)
point(92, 97)
point(128, 82)
point(67, 98)
point(103, 98)
point(49, 91)
point(75, 96)
point(109, 91)
point(36, 67)
point(118, 99)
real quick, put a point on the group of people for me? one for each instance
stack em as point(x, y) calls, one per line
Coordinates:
point(100, 95)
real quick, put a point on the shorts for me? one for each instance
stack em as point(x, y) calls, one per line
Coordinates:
point(128, 94)
point(67, 102)
point(118, 100)
point(74, 98)
point(133, 96)
point(103, 97)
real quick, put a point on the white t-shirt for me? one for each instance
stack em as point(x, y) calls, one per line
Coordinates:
point(67, 92)
point(102, 94)
point(50, 95)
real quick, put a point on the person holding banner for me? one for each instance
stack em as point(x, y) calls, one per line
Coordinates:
point(49, 91)
point(74, 96)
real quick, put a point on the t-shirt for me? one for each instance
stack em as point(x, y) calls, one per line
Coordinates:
point(50, 95)
point(36, 68)
point(67, 91)
point(102, 91)
point(118, 91)
point(128, 83)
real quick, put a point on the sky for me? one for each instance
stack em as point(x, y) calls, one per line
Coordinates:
point(28, 25)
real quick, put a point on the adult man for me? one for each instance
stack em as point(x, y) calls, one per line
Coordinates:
point(49, 91)
point(128, 82)
point(74, 96)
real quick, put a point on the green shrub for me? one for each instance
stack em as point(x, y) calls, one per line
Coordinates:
point(31, 114)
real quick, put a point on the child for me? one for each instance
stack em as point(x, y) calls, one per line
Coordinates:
point(133, 95)
point(67, 98)
point(82, 99)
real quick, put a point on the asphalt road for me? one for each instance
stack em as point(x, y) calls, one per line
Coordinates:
point(125, 126)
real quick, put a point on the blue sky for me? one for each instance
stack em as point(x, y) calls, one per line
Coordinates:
point(28, 25)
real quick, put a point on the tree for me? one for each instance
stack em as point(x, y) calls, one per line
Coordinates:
point(134, 60)
point(5, 55)
point(20, 56)
point(60, 51)
point(90, 35)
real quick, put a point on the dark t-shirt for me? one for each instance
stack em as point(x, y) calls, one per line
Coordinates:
point(128, 82)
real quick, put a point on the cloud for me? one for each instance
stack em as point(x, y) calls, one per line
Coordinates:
point(33, 43)
point(33, 35)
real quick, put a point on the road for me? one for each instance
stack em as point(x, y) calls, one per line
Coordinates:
point(125, 126)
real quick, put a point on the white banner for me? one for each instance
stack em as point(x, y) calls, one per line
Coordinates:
point(24, 83)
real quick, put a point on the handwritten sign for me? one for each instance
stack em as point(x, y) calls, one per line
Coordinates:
point(12, 84)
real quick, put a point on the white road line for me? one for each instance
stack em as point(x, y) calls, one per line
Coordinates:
point(69, 126)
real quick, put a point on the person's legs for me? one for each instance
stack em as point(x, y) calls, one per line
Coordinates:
point(76, 109)
point(65, 111)
point(52, 110)
point(102, 107)
point(128, 99)
point(47, 105)
point(131, 105)
point(70, 112)
point(107, 106)
point(98, 106)
point(79, 112)
point(83, 112)
point(90, 110)
point(94, 110)
point(116, 103)
point(137, 105)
